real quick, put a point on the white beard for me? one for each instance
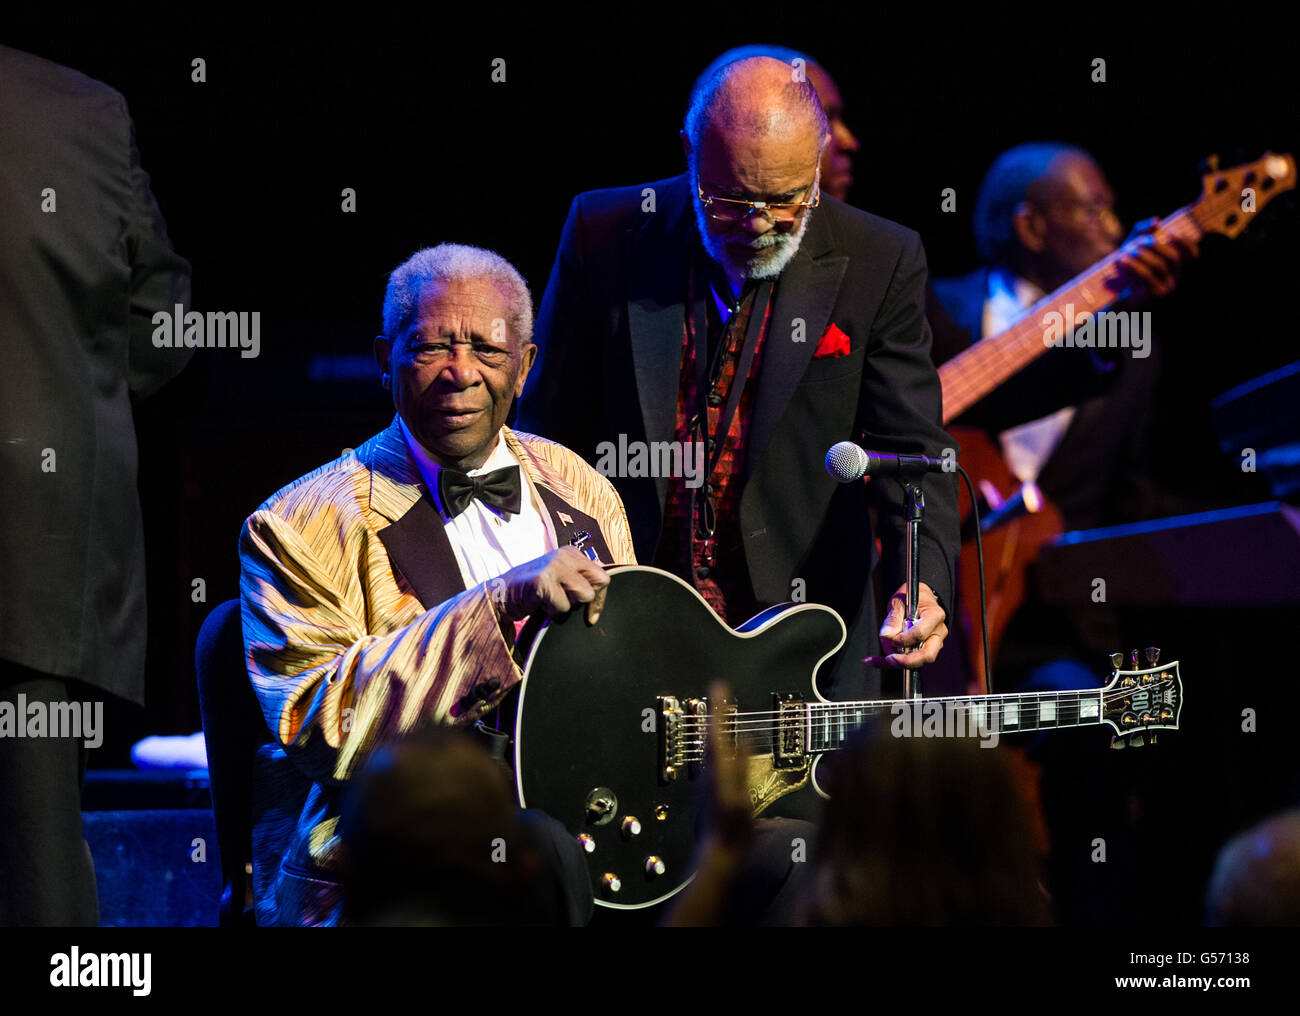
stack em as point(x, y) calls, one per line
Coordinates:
point(785, 245)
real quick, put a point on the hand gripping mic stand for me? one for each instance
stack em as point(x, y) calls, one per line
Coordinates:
point(910, 478)
point(847, 462)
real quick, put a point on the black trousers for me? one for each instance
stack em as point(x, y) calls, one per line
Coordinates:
point(47, 876)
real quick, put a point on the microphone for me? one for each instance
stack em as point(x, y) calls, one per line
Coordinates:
point(847, 462)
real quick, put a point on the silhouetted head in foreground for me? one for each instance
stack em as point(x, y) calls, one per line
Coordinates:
point(925, 831)
point(430, 836)
point(1256, 880)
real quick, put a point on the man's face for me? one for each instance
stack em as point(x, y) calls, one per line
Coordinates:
point(456, 370)
point(837, 158)
point(1077, 209)
point(734, 164)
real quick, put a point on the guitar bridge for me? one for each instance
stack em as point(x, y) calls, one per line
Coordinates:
point(672, 751)
point(685, 733)
point(789, 747)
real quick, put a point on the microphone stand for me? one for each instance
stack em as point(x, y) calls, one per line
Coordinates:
point(915, 511)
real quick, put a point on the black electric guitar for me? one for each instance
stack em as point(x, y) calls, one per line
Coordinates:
point(612, 720)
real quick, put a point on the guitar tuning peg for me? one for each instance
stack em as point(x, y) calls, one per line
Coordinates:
point(1133, 659)
point(1152, 654)
point(1117, 659)
point(1118, 743)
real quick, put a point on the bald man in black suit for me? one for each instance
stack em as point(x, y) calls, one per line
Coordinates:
point(85, 265)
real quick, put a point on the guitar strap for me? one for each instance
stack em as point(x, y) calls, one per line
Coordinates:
point(709, 364)
point(497, 742)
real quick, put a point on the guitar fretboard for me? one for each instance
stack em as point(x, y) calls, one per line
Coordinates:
point(972, 374)
point(829, 725)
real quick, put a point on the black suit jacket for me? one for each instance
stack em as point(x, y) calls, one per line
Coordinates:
point(1091, 476)
point(610, 332)
point(79, 285)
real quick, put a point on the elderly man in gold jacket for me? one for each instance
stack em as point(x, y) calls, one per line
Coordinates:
point(387, 586)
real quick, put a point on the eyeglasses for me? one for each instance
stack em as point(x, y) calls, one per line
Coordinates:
point(779, 213)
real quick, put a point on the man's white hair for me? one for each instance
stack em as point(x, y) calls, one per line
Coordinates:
point(454, 262)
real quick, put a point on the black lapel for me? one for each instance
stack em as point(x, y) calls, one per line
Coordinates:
point(657, 256)
point(568, 521)
point(417, 545)
point(805, 292)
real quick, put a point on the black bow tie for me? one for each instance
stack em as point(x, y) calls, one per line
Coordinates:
point(499, 488)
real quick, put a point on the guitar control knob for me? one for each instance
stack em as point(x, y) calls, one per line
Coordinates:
point(1152, 654)
point(611, 882)
point(602, 806)
point(654, 866)
point(586, 842)
point(631, 826)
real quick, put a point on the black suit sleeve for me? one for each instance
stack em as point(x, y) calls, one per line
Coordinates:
point(900, 412)
point(160, 279)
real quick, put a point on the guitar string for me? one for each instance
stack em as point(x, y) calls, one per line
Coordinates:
point(973, 701)
point(970, 701)
point(825, 729)
point(879, 707)
point(835, 734)
point(692, 748)
point(825, 724)
point(833, 720)
point(819, 710)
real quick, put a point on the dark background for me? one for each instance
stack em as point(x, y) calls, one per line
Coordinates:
point(248, 168)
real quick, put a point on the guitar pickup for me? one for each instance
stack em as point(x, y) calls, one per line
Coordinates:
point(789, 747)
point(730, 730)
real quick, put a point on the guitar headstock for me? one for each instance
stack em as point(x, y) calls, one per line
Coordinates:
point(1139, 703)
point(1231, 197)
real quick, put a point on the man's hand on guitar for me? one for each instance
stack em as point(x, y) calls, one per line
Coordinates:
point(1152, 259)
point(555, 583)
point(917, 645)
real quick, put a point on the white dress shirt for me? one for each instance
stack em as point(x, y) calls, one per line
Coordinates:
point(488, 541)
point(1027, 447)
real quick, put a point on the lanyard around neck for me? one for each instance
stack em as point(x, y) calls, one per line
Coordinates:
point(708, 374)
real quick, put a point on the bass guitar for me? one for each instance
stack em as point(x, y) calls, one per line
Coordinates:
point(1229, 201)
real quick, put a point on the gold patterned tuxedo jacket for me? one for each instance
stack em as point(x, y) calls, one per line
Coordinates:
point(357, 625)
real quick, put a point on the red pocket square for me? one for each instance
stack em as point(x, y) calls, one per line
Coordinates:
point(833, 343)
